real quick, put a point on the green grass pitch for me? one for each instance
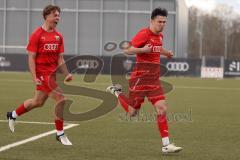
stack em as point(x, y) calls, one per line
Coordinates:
point(209, 129)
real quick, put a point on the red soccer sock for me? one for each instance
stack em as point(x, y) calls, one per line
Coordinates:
point(21, 110)
point(162, 125)
point(123, 101)
point(59, 124)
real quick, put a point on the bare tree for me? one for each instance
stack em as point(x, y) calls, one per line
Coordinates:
point(216, 33)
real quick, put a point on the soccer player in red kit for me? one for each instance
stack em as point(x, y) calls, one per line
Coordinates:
point(45, 54)
point(144, 81)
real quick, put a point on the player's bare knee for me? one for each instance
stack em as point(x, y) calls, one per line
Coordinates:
point(162, 112)
point(161, 109)
point(133, 112)
point(37, 103)
point(60, 98)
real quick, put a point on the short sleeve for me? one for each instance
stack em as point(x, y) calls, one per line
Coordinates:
point(139, 40)
point(33, 43)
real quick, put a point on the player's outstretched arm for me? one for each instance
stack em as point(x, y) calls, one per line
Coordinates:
point(133, 50)
point(63, 67)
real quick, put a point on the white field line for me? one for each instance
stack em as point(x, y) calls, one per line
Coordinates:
point(106, 84)
point(207, 88)
point(31, 139)
point(28, 122)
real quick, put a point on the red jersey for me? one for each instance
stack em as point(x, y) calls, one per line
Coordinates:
point(47, 46)
point(146, 36)
point(147, 64)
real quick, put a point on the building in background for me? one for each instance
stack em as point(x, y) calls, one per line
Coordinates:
point(87, 25)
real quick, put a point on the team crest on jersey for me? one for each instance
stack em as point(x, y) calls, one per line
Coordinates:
point(57, 38)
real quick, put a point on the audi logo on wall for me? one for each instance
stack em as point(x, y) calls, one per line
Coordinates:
point(177, 66)
point(87, 64)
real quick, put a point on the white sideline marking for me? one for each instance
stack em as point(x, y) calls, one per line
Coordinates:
point(106, 84)
point(9, 146)
point(209, 88)
point(28, 122)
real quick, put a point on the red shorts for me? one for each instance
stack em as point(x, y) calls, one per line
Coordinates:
point(136, 96)
point(48, 83)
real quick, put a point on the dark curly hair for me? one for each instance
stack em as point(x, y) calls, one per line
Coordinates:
point(159, 12)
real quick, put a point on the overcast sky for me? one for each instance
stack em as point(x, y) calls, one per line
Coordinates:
point(210, 4)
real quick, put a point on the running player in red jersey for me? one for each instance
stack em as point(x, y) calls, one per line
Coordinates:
point(45, 54)
point(144, 81)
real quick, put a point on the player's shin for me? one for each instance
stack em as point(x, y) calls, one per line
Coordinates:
point(124, 101)
point(163, 128)
point(61, 137)
point(59, 126)
point(59, 117)
point(21, 109)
